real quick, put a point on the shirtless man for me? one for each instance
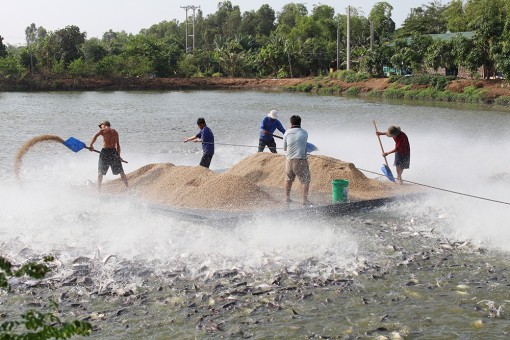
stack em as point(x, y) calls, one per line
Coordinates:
point(110, 153)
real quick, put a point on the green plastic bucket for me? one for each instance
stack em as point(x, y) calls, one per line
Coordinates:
point(340, 190)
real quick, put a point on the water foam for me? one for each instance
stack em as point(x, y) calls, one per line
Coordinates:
point(76, 221)
point(468, 164)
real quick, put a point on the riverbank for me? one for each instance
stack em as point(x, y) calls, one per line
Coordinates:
point(426, 87)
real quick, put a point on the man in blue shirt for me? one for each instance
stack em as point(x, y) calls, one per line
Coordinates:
point(207, 138)
point(267, 127)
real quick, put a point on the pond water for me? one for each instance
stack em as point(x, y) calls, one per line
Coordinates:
point(428, 268)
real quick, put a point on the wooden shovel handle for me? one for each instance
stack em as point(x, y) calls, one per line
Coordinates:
point(380, 143)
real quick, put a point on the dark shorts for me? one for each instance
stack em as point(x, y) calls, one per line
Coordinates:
point(402, 161)
point(109, 158)
point(206, 160)
point(270, 143)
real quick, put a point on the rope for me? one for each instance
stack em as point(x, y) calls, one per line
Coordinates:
point(372, 172)
point(415, 183)
point(215, 143)
point(446, 190)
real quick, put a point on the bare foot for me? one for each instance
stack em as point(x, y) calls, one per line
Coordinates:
point(288, 200)
point(306, 204)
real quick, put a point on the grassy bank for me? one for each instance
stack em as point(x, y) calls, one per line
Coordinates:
point(415, 87)
point(344, 83)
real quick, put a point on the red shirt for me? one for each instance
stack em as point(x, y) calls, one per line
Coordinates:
point(402, 144)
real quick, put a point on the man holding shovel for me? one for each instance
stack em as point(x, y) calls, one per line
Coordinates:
point(402, 149)
point(110, 153)
point(294, 142)
point(267, 127)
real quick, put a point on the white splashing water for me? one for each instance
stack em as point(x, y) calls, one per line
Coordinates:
point(459, 151)
point(76, 221)
point(470, 165)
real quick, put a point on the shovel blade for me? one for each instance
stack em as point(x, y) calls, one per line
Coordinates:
point(387, 172)
point(74, 144)
point(310, 147)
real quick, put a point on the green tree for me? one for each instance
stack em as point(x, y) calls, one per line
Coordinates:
point(80, 68)
point(28, 59)
point(455, 16)
point(418, 45)
point(289, 16)
point(428, 19)
point(46, 53)
point(188, 66)
point(409, 54)
point(467, 54)
point(137, 66)
point(68, 41)
point(377, 59)
point(273, 58)
point(502, 53)
point(231, 57)
point(249, 23)
point(258, 24)
point(487, 17)
point(167, 31)
point(502, 50)
point(324, 17)
point(151, 52)
point(207, 62)
point(3, 48)
point(115, 42)
point(384, 26)
point(440, 54)
point(110, 66)
point(265, 20)
point(10, 67)
point(359, 27)
point(93, 50)
point(318, 55)
point(225, 23)
point(31, 39)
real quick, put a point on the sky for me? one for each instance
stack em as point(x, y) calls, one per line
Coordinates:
point(96, 17)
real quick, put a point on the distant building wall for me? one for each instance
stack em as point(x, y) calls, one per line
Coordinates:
point(460, 72)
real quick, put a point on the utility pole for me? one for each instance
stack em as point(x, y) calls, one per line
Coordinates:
point(348, 37)
point(371, 35)
point(338, 48)
point(193, 8)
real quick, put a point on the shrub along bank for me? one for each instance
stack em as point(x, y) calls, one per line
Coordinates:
point(348, 83)
point(413, 87)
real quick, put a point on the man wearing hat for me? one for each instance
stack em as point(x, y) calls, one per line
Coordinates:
point(402, 149)
point(267, 127)
point(110, 153)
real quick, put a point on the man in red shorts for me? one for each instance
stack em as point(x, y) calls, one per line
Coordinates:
point(402, 150)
